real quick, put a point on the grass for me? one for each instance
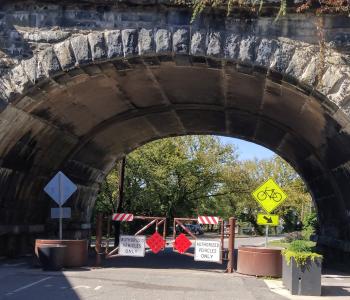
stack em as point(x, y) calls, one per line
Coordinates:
point(283, 244)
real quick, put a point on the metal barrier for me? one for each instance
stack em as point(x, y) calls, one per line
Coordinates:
point(157, 221)
point(181, 221)
point(226, 254)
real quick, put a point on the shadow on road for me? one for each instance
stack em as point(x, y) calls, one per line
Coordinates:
point(335, 290)
point(166, 259)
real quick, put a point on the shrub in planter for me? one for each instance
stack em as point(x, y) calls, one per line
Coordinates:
point(293, 236)
point(301, 269)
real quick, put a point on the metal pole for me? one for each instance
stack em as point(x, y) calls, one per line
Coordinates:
point(119, 202)
point(174, 233)
point(60, 193)
point(164, 230)
point(266, 235)
point(231, 244)
point(121, 184)
point(98, 238)
point(108, 233)
point(222, 239)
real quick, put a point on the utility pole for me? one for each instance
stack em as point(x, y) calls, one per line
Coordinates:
point(119, 201)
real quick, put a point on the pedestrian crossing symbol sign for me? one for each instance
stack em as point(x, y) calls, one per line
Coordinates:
point(269, 195)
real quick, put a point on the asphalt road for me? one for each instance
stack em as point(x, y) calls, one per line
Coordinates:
point(164, 276)
point(167, 275)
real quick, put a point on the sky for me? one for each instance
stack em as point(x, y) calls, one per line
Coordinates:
point(247, 150)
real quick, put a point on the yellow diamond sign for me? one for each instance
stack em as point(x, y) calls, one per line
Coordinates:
point(272, 220)
point(269, 195)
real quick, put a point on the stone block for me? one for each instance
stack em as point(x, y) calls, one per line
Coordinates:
point(30, 67)
point(214, 44)
point(264, 52)
point(19, 79)
point(145, 41)
point(64, 55)
point(81, 49)
point(247, 49)
point(342, 94)
point(114, 44)
point(6, 89)
point(48, 62)
point(163, 41)
point(300, 60)
point(332, 76)
point(282, 56)
point(97, 45)
point(129, 38)
point(181, 41)
point(311, 71)
point(198, 43)
point(232, 44)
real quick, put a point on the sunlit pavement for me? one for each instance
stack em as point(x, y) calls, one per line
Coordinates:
point(334, 286)
point(167, 275)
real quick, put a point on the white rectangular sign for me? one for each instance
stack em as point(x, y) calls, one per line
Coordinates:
point(130, 245)
point(208, 250)
point(66, 213)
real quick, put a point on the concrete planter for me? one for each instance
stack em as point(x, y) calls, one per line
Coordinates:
point(76, 252)
point(302, 280)
point(259, 261)
point(51, 256)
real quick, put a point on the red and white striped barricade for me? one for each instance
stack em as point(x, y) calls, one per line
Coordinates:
point(208, 220)
point(123, 217)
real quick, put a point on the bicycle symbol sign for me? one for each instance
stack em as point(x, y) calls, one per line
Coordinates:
point(269, 195)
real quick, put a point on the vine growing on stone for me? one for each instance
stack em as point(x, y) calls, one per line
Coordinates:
point(319, 7)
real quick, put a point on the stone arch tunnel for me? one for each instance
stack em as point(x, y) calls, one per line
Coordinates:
point(82, 83)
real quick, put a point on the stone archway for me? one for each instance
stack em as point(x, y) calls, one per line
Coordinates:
point(84, 97)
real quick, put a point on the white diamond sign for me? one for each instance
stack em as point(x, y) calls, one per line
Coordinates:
point(60, 188)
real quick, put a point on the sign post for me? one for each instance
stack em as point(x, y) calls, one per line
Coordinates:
point(60, 188)
point(60, 204)
point(269, 196)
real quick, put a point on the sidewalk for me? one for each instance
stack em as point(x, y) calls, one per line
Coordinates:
point(334, 286)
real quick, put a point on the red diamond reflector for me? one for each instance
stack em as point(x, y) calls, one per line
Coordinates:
point(182, 243)
point(155, 242)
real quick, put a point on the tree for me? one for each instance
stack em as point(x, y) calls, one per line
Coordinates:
point(191, 175)
point(255, 172)
point(107, 197)
point(175, 176)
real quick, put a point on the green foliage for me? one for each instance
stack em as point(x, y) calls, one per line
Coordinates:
point(283, 9)
point(255, 7)
point(177, 176)
point(301, 252)
point(310, 225)
point(191, 175)
point(293, 236)
point(301, 258)
point(301, 246)
point(310, 220)
point(106, 201)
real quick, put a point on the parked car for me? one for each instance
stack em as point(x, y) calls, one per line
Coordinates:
point(195, 228)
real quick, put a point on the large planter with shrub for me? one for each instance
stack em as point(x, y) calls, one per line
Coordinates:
point(301, 269)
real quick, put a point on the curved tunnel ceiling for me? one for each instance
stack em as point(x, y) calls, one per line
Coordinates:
point(82, 120)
